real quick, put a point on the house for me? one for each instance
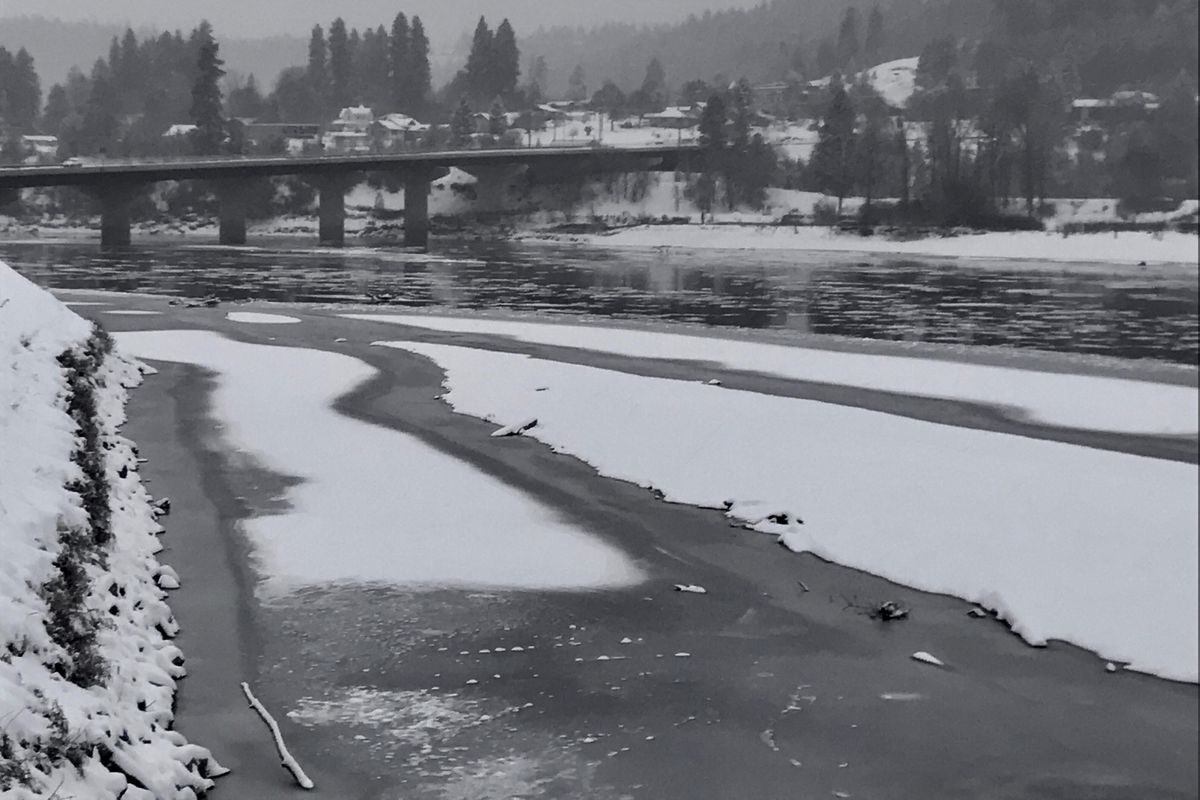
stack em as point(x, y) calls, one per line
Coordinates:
point(675, 117)
point(40, 145)
point(1121, 107)
point(393, 131)
point(292, 136)
point(350, 132)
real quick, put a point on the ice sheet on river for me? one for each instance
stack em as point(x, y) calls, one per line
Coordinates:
point(375, 504)
point(1073, 401)
point(1067, 542)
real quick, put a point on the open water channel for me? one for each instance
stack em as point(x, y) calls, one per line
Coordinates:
point(1112, 310)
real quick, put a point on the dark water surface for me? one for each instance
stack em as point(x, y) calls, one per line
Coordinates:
point(1122, 311)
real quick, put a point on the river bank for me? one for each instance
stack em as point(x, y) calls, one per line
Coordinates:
point(786, 686)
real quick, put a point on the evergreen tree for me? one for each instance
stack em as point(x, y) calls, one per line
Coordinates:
point(535, 91)
point(713, 153)
point(400, 58)
point(340, 66)
point(712, 128)
point(497, 121)
point(832, 161)
point(827, 59)
point(480, 75)
point(506, 60)
point(462, 125)
point(875, 36)
point(99, 126)
point(374, 69)
point(246, 100)
point(317, 72)
point(847, 44)
point(577, 84)
point(610, 100)
point(295, 99)
point(22, 93)
point(652, 94)
point(209, 135)
point(421, 81)
point(58, 108)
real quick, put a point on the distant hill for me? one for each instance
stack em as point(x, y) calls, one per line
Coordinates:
point(757, 43)
point(57, 46)
point(1109, 44)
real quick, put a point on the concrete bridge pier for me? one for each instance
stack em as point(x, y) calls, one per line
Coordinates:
point(231, 199)
point(416, 209)
point(331, 209)
point(116, 203)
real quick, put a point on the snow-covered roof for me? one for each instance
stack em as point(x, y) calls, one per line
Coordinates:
point(180, 129)
point(675, 112)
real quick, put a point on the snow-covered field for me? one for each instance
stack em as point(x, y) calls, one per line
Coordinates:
point(46, 719)
point(1065, 542)
point(1074, 401)
point(1125, 248)
point(375, 505)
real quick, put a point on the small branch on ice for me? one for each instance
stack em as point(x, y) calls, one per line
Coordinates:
point(285, 758)
point(690, 587)
point(804, 586)
point(515, 430)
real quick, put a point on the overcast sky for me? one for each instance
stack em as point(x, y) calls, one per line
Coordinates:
point(444, 19)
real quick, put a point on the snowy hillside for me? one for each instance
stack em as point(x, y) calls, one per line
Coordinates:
point(896, 81)
point(87, 674)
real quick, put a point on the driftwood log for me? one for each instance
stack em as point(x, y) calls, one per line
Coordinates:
point(285, 758)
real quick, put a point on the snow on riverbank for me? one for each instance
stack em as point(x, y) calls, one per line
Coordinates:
point(1074, 401)
point(115, 721)
point(375, 504)
point(1122, 248)
point(1066, 542)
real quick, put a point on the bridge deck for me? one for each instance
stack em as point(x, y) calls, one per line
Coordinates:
point(586, 158)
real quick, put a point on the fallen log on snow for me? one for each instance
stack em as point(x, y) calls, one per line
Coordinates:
point(285, 758)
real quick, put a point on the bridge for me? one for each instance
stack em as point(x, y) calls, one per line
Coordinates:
point(115, 182)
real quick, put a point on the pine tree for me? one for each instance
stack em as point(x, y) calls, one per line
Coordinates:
point(340, 65)
point(832, 161)
point(317, 72)
point(577, 84)
point(875, 35)
point(847, 44)
point(827, 59)
point(246, 100)
point(58, 108)
point(497, 121)
point(421, 80)
point(506, 60)
point(99, 126)
point(480, 73)
point(462, 126)
point(22, 93)
point(400, 58)
point(209, 135)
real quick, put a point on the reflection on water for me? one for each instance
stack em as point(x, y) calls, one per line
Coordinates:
point(1129, 312)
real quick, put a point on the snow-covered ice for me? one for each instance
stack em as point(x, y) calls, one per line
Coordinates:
point(1128, 247)
point(1065, 542)
point(1073, 401)
point(258, 318)
point(131, 312)
point(375, 504)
